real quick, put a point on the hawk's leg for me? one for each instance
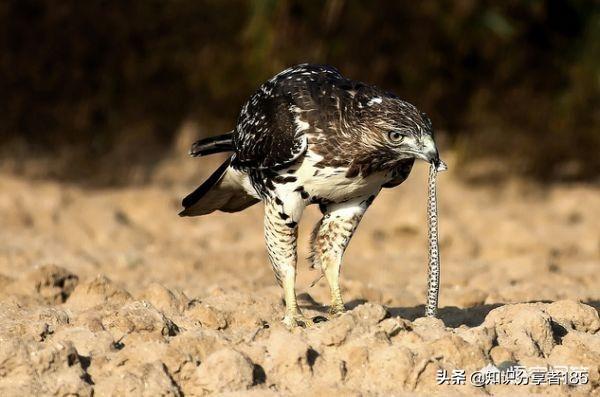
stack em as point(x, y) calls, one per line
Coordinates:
point(281, 232)
point(330, 239)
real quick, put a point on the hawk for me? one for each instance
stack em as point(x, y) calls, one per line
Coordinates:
point(311, 136)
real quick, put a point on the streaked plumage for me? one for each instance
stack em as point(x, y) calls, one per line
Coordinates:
point(311, 136)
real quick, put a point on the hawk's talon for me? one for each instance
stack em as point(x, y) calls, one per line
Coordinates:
point(337, 309)
point(297, 320)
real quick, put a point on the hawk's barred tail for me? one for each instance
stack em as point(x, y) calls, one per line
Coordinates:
point(203, 189)
point(213, 144)
point(221, 191)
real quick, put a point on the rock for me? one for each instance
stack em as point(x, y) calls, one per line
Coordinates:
point(455, 352)
point(482, 336)
point(35, 369)
point(149, 379)
point(335, 331)
point(579, 349)
point(500, 355)
point(224, 370)
point(87, 342)
point(61, 370)
point(180, 364)
point(429, 328)
point(165, 300)
point(53, 284)
point(525, 329)
point(185, 352)
point(590, 343)
point(90, 319)
point(356, 359)
point(369, 313)
point(96, 292)
point(16, 372)
point(206, 316)
point(392, 326)
point(45, 321)
point(289, 358)
point(27, 324)
point(574, 315)
point(329, 370)
point(140, 317)
point(391, 365)
point(198, 343)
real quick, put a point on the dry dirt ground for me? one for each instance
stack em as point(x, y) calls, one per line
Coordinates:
point(108, 292)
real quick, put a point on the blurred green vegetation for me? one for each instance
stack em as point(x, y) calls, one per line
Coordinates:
point(101, 80)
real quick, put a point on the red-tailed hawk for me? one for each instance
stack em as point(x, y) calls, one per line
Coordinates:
point(311, 136)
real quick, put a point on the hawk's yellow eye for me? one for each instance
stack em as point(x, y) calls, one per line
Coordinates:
point(395, 136)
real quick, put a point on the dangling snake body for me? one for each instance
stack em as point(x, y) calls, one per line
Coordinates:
point(433, 271)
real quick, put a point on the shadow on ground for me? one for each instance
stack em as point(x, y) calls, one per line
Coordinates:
point(452, 316)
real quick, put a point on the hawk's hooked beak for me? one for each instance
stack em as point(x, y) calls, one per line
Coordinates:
point(434, 158)
point(431, 154)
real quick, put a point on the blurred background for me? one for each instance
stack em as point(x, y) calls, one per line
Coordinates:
point(99, 92)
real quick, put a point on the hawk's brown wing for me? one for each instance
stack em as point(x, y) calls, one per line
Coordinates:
point(271, 129)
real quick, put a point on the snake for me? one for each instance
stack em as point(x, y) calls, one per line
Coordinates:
point(433, 269)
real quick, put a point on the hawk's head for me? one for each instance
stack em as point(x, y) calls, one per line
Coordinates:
point(396, 129)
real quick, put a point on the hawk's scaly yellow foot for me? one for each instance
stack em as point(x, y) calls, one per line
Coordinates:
point(336, 308)
point(297, 319)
